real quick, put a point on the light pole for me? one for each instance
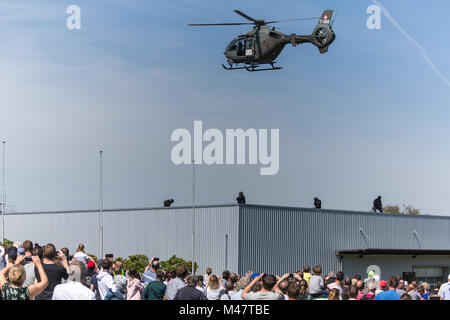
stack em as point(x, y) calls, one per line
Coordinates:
point(193, 215)
point(101, 204)
point(3, 194)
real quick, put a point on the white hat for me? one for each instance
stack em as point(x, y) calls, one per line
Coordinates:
point(448, 276)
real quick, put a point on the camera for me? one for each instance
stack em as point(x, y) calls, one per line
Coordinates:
point(109, 255)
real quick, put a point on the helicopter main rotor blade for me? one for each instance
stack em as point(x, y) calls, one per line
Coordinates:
point(218, 24)
point(244, 15)
point(312, 18)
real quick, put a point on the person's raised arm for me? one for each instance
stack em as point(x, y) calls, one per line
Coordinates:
point(4, 271)
point(250, 286)
point(63, 259)
point(276, 288)
point(37, 288)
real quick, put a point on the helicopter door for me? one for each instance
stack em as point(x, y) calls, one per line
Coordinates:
point(241, 47)
point(249, 52)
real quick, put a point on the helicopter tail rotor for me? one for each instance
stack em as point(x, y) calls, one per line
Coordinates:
point(323, 35)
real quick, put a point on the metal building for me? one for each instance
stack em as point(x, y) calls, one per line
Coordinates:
point(253, 237)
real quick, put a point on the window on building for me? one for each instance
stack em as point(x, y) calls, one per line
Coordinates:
point(430, 274)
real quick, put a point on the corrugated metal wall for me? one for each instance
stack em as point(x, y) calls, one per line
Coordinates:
point(153, 232)
point(260, 238)
point(280, 240)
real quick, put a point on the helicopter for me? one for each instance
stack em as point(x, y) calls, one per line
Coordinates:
point(263, 44)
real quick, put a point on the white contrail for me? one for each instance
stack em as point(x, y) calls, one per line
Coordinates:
point(414, 42)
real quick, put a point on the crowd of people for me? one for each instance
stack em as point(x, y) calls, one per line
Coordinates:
point(30, 272)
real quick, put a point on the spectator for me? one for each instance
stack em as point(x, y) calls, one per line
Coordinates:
point(206, 276)
point(405, 296)
point(3, 252)
point(90, 272)
point(353, 293)
point(81, 255)
point(443, 288)
point(189, 292)
point(175, 284)
point(134, 286)
point(381, 287)
point(347, 283)
point(293, 292)
point(303, 292)
point(214, 288)
point(225, 277)
point(316, 284)
point(241, 198)
point(94, 284)
point(412, 291)
point(119, 277)
point(306, 273)
point(390, 294)
point(426, 289)
point(337, 283)
point(242, 284)
point(156, 290)
point(29, 265)
point(283, 286)
point(234, 278)
point(66, 253)
point(105, 281)
point(229, 291)
point(200, 283)
point(269, 290)
point(73, 289)
point(13, 289)
point(150, 271)
point(377, 205)
point(400, 288)
point(317, 203)
point(55, 273)
point(334, 294)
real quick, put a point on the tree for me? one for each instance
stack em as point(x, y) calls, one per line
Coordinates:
point(173, 262)
point(138, 261)
point(407, 209)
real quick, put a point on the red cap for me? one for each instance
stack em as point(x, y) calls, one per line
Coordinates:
point(382, 284)
point(91, 265)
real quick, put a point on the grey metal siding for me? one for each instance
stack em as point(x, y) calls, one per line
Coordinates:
point(279, 240)
point(153, 232)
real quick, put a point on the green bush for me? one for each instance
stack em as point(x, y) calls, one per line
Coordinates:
point(173, 262)
point(138, 261)
point(7, 242)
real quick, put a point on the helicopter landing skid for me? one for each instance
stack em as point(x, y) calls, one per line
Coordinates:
point(231, 68)
point(253, 68)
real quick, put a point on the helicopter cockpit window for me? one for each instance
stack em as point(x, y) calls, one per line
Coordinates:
point(232, 46)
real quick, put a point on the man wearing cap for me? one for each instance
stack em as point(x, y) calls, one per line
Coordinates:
point(90, 272)
point(390, 294)
point(382, 287)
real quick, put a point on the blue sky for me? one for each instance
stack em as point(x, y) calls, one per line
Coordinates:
point(369, 117)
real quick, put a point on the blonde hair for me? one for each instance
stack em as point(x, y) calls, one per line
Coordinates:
point(17, 275)
point(213, 282)
point(80, 247)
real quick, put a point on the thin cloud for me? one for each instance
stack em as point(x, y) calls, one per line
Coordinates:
point(414, 42)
